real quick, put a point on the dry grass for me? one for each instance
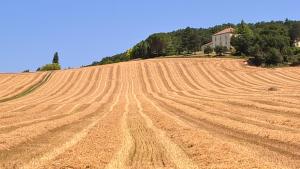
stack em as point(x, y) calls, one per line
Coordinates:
point(158, 113)
point(14, 84)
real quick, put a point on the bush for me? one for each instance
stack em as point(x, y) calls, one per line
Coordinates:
point(220, 50)
point(48, 67)
point(208, 50)
point(287, 53)
point(296, 50)
point(26, 71)
point(271, 56)
point(274, 57)
point(258, 60)
point(258, 54)
point(295, 60)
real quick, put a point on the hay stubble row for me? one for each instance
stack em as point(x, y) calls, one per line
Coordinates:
point(162, 113)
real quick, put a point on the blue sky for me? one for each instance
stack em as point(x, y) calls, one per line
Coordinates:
point(85, 31)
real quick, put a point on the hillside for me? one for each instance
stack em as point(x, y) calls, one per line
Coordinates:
point(266, 43)
point(158, 113)
point(13, 84)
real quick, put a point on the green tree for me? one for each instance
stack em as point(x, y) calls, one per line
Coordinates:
point(177, 44)
point(191, 41)
point(295, 31)
point(272, 39)
point(274, 57)
point(287, 52)
point(243, 39)
point(244, 29)
point(128, 54)
point(241, 44)
point(208, 50)
point(55, 58)
point(258, 54)
point(141, 50)
point(157, 45)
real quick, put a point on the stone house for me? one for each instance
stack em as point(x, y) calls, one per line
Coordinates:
point(222, 38)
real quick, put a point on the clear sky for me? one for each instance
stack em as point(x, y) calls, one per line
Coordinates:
point(85, 31)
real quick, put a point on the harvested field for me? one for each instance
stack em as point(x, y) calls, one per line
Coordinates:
point(14, 84)
point(181, 113)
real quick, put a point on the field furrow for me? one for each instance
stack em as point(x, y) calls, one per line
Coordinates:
point(179, 113)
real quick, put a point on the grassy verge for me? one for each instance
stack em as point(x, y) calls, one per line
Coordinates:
point(29, 90)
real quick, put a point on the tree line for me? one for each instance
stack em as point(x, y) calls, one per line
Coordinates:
point(266, 43)
point(183, 41)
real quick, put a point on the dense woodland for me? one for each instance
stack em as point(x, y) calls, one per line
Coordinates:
point(265, 43)
point(268, 43)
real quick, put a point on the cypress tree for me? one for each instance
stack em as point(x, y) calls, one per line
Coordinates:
point(55, 58)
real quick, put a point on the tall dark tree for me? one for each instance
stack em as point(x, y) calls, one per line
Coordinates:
point(55, 58)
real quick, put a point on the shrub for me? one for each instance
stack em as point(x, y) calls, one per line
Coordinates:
point(296, 50)
point(48, 67)
point(220, 50)
point(287, 53)
point(270, 56)
point(295, 60)
point(274, 57)
point(208, 50)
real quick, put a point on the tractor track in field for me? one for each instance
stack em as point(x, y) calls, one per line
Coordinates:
point(179, 113)
point(29, 90)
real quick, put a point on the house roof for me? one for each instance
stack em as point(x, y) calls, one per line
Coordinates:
point(227, 30)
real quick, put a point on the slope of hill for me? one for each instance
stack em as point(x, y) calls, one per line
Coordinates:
point(14, 84)
point(269, 43)
point(160, 113)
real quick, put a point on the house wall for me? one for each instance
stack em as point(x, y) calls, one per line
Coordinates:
point(222, 40)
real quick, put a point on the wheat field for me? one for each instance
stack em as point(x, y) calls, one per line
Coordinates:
point(183, 113)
